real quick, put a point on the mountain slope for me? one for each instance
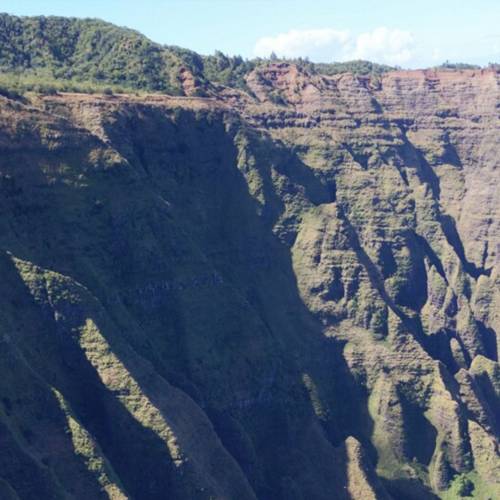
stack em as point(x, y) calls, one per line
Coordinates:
point(287, 293)
point(92, 50)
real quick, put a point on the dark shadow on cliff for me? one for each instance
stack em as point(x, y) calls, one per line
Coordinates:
point(408, 489)
point(415, 158)
point(450, 230)
point(192, 165)
point(270, 421)
point(138, 455)
point(427, 175)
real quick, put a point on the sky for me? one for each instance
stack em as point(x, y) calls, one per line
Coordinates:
point(406, 33)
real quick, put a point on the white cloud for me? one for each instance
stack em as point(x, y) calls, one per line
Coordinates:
point(383, 45)
point(297, 43)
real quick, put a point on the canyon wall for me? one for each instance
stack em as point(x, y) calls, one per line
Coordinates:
point(291, 292)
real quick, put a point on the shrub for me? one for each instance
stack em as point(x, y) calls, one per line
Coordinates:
point(10, 93)
point(46, 89)
point(464, 486)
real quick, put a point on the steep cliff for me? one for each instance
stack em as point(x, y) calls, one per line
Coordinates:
point(288, 293)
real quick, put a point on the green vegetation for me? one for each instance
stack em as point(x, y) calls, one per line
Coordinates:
point(8, 89)
point(358, 67)
point(231, 70)
point(15, 85)
point(464, 486)
point(227, 70)
point(470, 486)
point(90, 51)
point(455, 66)
point(86, 447)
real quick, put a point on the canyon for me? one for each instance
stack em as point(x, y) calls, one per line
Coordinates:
point(287, 291)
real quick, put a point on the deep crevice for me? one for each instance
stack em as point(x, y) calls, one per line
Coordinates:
point(451, 233)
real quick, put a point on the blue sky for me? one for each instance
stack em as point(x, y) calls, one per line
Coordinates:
point(408, 33)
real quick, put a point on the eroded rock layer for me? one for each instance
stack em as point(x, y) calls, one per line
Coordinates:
point(292, 293)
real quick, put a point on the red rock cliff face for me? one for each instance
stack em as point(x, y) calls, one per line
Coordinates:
point(291, 293)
